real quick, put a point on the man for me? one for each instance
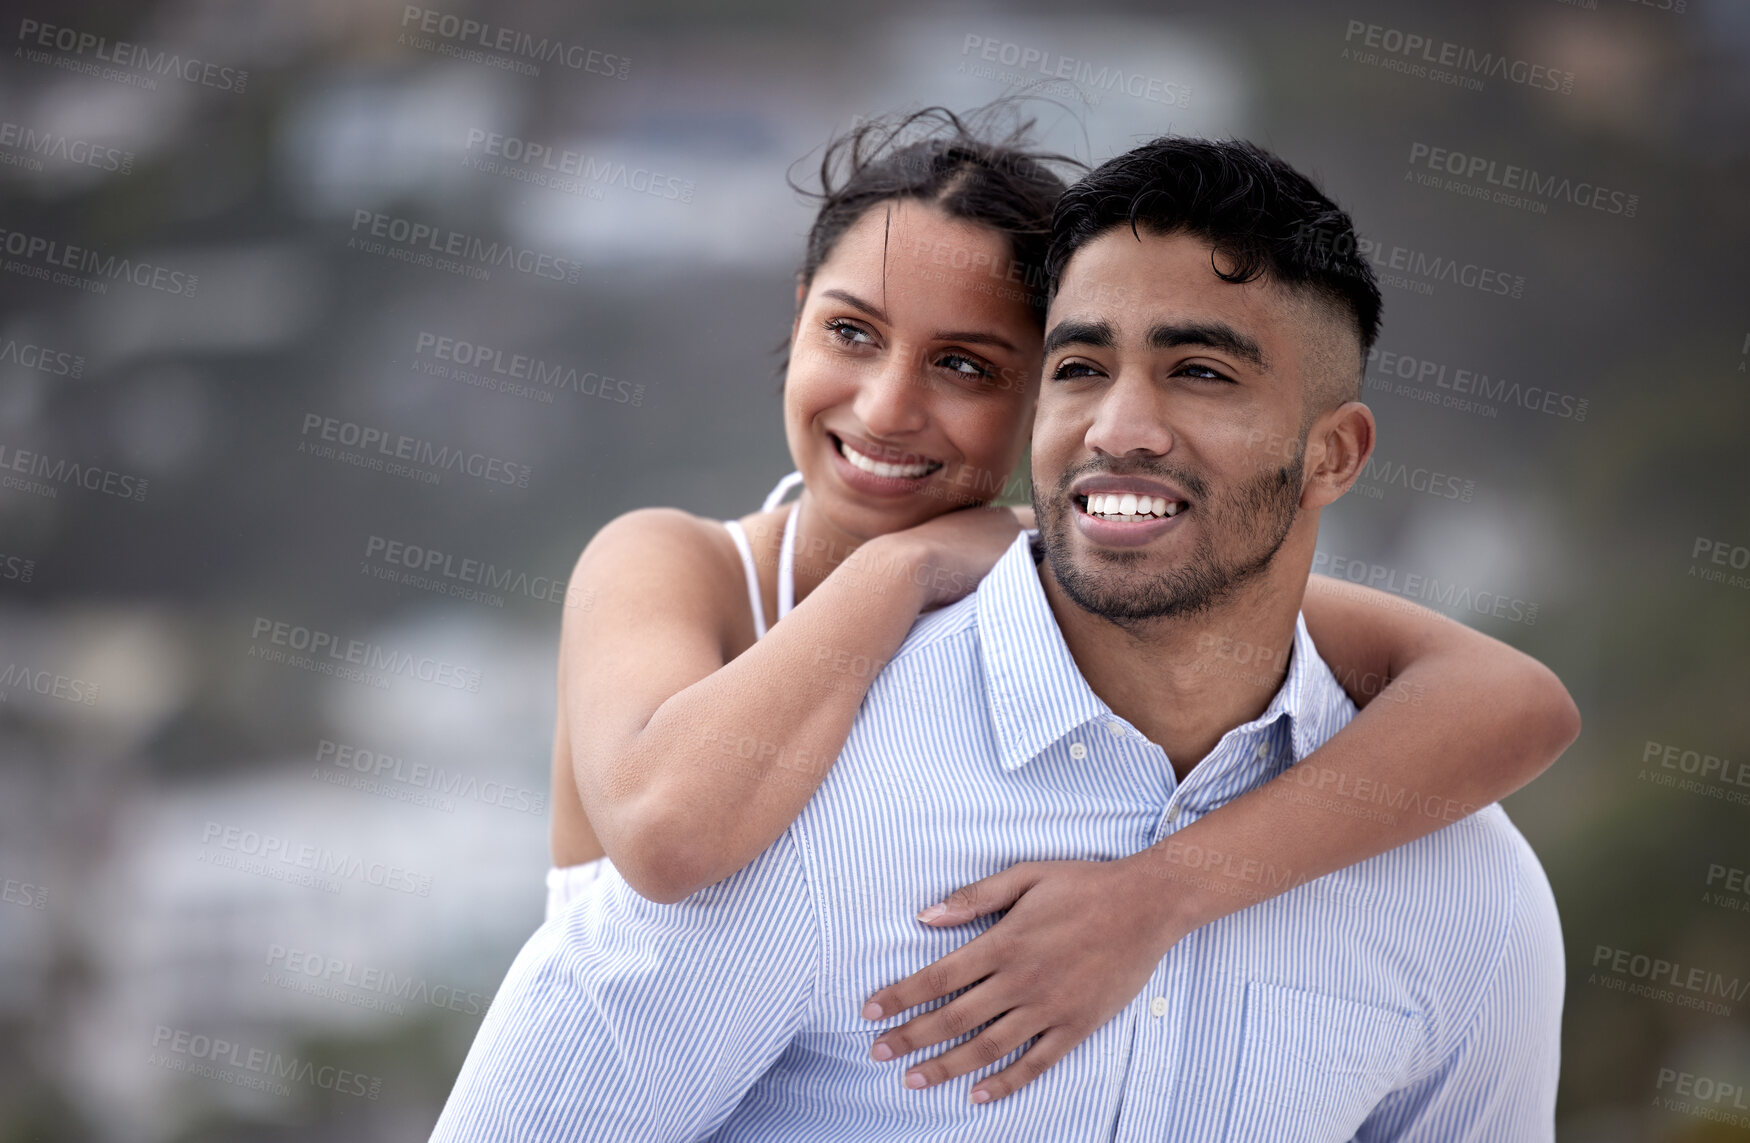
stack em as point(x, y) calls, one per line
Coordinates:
point(1198, 411)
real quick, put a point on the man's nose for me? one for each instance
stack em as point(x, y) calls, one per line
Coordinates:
point(1131, 418)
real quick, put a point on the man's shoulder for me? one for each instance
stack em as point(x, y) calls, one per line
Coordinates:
point(1479, 862)
point(946, 629)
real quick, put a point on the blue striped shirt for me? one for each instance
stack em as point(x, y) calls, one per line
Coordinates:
point(1414, 996)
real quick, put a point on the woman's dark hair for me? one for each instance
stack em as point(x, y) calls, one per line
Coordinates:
point(935, 156)
point(1261, 214)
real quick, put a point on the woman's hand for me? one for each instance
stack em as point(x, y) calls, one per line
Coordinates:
point(1080, 940)
point(951, 553)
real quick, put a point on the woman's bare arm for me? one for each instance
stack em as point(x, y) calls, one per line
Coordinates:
point(1452, 717)
point(690, 759)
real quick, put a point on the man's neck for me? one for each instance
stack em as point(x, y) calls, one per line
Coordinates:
point(1187, 680)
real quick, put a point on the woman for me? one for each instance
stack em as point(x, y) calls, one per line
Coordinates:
point(689, 737)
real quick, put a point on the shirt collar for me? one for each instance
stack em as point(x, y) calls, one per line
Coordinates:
point(1037, 695)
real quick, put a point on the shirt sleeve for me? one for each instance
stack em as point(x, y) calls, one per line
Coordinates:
point(627, 1020)
point(1499, 1082)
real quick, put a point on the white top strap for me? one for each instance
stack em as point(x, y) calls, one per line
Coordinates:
point(737, 534)
point(787, 554)
point(776, 496)
point(787, 563)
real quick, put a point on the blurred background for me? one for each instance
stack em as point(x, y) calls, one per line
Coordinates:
point(273, 816)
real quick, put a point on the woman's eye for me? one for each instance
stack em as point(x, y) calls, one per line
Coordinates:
point(848, 333)
point(1069, 370)
point(966, 366)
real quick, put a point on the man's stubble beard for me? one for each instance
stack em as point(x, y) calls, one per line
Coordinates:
point(1265, 506)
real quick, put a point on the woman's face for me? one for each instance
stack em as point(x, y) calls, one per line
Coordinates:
point(913, 370)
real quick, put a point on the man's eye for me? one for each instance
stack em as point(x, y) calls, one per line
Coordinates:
point(848, 333)
point(1070, 370)
point(960, 363)
point(1204, 373)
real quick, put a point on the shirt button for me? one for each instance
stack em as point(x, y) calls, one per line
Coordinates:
point(1172, 816)
point(1158, 1006)
point(1115, 727)
point(1077, 751)
point(1263, 749)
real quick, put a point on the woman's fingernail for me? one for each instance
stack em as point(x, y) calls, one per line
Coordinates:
point(881, 1052)
point(914, 1080)
point(981, 1096)
point(871, 1011)
point(932, 912)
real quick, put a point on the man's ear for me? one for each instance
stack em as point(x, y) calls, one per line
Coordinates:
point(1337, 449)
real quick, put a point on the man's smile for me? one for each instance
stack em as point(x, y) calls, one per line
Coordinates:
point(1126, 511)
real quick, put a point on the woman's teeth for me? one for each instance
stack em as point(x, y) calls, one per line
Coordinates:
point(882, 468)
point(1129, 508)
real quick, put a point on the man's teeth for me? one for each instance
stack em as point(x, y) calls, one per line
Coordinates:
point(882, 468)
point(1129, 507)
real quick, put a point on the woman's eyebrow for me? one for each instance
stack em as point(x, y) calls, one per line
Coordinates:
point(971, 336)
point(855, 302)
point(974, 337)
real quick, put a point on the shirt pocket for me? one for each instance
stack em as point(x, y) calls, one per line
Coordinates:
point(1312, 1066)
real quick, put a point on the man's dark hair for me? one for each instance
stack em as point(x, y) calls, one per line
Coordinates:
point(1261, 215)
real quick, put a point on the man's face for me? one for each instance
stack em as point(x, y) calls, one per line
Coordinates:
point(1167, 449)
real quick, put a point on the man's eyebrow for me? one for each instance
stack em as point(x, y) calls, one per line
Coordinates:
point(855, 302)
point(1215, 335)
point(1071, 331)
